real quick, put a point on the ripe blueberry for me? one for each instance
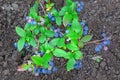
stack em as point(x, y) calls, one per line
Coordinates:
point(15, 45)
point(50, 15)
point(86, 28)
point(83, 23)
point(53, 19)
point(56, 34)
point(103, 34)
point(54, 69)
point(51, 63)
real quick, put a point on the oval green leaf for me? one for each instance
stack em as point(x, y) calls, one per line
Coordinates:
point(86, 38)
point(59, 53)
point(21, 43)
point(20, 32)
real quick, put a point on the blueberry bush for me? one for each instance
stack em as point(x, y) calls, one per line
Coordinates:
point(56, 33)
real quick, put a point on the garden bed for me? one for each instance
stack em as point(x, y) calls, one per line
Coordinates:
point(100, 15)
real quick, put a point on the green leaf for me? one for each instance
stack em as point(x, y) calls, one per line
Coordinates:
point(76, 26)
point(69, 55)
point(54, 42)
point(21, 43)
point(73, 36)
point(80, 44)
point(75, 15)
point(42, 29)
point(35, 6)
point(63, 10)
point(67, 18)
point(25, 66)
point(47, 46)
point(36, 31)
point(32, 42)
point(37, 60)
point(86, 38)
point(54, 12)
point(73, 6)
point(52, 4)
point(58, 20)
point(28, 33)
point(78, 55)
point(33, 27)
point(72, 46)
point(42, 39)
point(33, 13)
point(46, 58)
point(61, 42)
point(20, 32)
point(69, 2)
point(49, 33)
point(59, 53)
point(70, 64)
point(27, 25)
point(75, 41)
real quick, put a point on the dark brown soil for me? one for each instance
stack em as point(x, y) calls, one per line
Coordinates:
point(101, 16)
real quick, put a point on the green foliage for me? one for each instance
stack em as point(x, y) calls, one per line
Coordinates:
point(20, 32)
point(67, 18)
point(58, 20)
point(46, 58)
point(37, 60)
point(59, 52)
point(86, 38)
point(49, 33)
point(70, 64)
point(72, 46)
point(21, 43)
point(78, 55)
point(76, 26)
point(41, 37)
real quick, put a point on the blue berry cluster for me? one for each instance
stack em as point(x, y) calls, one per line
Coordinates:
point(57, 32)
point(103, 44)
point(51, 17)
point(85, 27)
point(80, 6)
point(52, 68)
point(78, 64)
point(31, 20)
point(26, 46)
point(41, 53)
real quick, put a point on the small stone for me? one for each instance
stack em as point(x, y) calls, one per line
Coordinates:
point(14, 56)
point(15, 6)
point(103, 64)
point(5, 64)
point(6, 72)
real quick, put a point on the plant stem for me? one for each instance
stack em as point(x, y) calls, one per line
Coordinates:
point(42, 7)
point(48, 1)
point(97, 41)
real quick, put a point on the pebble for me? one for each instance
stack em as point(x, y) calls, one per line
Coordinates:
point(14, 56)
point(15, 6)
point(94, 72)
point(5, 64)
point(103, 64)
point(6, 72)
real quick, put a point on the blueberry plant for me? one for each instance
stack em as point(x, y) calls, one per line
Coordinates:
point(57, 33)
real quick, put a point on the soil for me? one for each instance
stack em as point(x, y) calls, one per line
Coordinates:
point(101, 16)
